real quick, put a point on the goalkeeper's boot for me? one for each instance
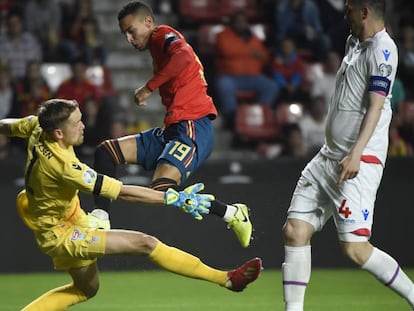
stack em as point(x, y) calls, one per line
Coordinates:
point(99, 219)
point(241, 225)
point(239, 278)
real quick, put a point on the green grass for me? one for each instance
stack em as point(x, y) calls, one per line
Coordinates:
point(338, 290)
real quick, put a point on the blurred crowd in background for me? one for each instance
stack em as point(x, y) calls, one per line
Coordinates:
point(270, 66)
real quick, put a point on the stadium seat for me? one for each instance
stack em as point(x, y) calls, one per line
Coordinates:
point(206, 38)
point(255, 122)
point(55, 73)
point(246, 97)
point(288, 112)
point(95, 75)
point(313, 71)
point(100, 76)
point(199, 11)
point(260, 30)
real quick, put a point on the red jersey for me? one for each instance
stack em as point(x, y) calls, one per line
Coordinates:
point(179, 75)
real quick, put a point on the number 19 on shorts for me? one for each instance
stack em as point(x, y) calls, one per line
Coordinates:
point(179, 150)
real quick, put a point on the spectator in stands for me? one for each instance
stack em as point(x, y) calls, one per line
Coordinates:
point(312, 125)
point(9, 109)
point(398, 147)
point(406, 50)
point(335, 26)
point(90, 43)
point(398, 94)
point(292, 141)
point(18, 47)
point(4, 147)
point(31, 90)
point(241, 57)
point(83, 39)
point(78, 87)
point(8, 98)
point(324, 85)
point(5, 7)
point(300, 20)
point(288, 71)
point(100, 76)
point(119, 126)
point(168, 9)
point(43, 19)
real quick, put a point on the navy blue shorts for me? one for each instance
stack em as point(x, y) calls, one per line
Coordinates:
point(185, 145)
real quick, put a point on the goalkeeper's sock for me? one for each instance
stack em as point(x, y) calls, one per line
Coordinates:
point(296, 272)
point(387, 271)
point(107, 156)
point(57, 299)
point(223, 210)
point(180, 262)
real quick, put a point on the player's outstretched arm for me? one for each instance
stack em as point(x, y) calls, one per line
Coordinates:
point(5, 126)
point(141, 194)
point(188, 200)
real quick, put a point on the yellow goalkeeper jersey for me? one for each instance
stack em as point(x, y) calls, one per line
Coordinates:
point(53, 177)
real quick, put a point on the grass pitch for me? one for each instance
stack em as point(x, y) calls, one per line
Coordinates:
point(339, 290)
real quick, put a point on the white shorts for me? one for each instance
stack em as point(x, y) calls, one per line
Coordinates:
point(317, 197)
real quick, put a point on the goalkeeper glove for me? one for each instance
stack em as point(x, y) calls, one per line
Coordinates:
point(189, 200)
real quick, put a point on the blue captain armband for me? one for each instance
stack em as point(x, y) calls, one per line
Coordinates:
point(379, 85)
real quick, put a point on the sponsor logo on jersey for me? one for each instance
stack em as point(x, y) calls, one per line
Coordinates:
point(94, 239)
point(386, 54)
point(89, 176)
point(76, 166)
point(347, 221)
point(365, 213)
point(76, 235)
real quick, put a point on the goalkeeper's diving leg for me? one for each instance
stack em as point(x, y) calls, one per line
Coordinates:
point(180, 262)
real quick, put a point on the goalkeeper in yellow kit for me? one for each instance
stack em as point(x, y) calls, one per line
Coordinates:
point(50, 206)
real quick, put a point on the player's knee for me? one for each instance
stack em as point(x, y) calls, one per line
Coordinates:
point(144, 244)
point(357, 253)
point(297, 232)
point(89, 289)
point(109, 151)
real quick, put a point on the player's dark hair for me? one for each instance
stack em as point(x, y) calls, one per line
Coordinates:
point(378, 6)
point(135, 8)
point(53, 112)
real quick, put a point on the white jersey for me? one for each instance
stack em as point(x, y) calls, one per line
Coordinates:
point(368, 66)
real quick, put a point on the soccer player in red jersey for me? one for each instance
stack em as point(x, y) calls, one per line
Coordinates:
point(186, 140)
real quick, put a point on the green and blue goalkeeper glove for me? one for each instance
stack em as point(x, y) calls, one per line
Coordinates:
point(189, 200)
